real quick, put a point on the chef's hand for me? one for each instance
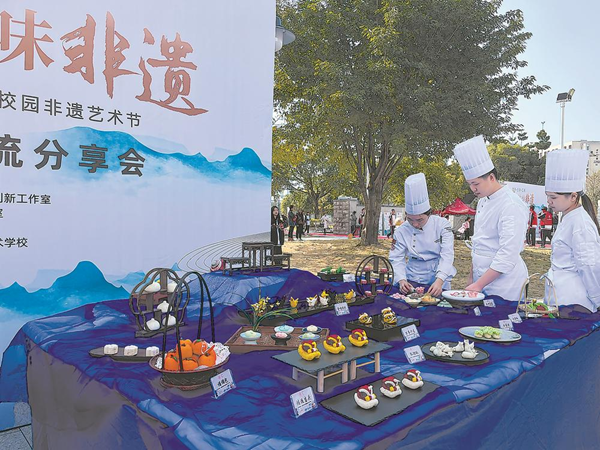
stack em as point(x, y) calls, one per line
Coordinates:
point(436, 288)
point(474, 287)
point(406, 287)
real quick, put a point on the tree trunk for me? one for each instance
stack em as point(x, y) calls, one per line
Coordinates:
point(315, 202)
point(373, 202)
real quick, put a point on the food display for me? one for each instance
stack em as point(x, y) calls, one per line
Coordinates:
point(537, 308)
point(152, 351)
point(280, 338)
point(309, 336)
point(412, 379)
point(365, 319)
point(488, 333)
point(294, 302)
point(390, 387)
point(466, 348)
point(365, 397)
point(389, 316)
point(111, 349)
point(250, 337)
point(358, 338)
point(308, 350)
point(311, 301)
point(281, 335)
point(130, 350)
point(312, 329)
point(284, 329)
point(333, 344)
point(324, 298)
point(350, 295)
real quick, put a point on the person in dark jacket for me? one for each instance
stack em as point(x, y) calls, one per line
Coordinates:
point(277, 234)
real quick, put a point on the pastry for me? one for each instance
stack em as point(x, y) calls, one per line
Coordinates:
point(358, 338)
point(111, 349)
point(311, 301)
point(293, 302)
point(364, 318)
point(350, 295)
point(164, 307)
point(308, 350)
point(312, 329)
point(333, 344)
point(152, 351)
point(130, 350)
point(365, 398)
point(324, 298)
point(153, 324)
point(390, 387)
point(469, 351)
point(170, 321)
point(412, 379)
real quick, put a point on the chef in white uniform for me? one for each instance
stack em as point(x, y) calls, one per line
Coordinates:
point(575, 261)
point(500, 226)
point(423, 249)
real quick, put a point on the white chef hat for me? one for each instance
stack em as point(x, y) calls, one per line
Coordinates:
point(565, 170)
point(473, 157)
point(415, 194)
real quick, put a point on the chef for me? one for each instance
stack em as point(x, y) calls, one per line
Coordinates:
point(575, 260)
point(423, 248)
point(500, 226)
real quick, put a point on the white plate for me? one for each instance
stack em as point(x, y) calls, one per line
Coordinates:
point(462, 295)
point(505, 335)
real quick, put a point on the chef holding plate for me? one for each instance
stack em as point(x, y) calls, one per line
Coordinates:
point(500, 226)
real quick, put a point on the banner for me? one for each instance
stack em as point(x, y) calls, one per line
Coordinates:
point(131, 134)
point(531, 194)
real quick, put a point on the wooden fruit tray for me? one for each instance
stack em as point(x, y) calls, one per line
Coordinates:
point(266, 342)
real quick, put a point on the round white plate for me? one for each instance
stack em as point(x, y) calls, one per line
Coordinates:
point(461, 295)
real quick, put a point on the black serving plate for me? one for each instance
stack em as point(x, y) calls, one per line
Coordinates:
point(381, 331)
point(120, 356)
point(481, 358)
point(303, 310)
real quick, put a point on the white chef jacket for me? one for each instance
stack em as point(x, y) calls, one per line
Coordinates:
point(498, 240)
point(575, 261)
point(430, 252)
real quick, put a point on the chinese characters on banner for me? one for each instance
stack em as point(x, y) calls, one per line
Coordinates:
point(19, 39)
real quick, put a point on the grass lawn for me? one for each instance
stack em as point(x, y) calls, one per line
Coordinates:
point(314, 255)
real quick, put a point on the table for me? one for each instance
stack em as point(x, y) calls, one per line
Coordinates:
point(347, 359)
point(80, 403)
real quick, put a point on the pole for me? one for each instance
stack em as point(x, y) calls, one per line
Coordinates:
point(562, 127)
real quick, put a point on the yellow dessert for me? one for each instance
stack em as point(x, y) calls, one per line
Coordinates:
point(333, 344)
point(358, 338)
point(365, 319)
point(293, 302)
point(308, 350)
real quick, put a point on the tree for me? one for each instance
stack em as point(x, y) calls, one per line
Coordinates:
point(444, 181)
point(517, 163)
point(391, 79)
point(522, 136)
point(543, 142)
point(592, 188)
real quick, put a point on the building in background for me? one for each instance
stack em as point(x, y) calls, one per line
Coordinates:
point(592, 146)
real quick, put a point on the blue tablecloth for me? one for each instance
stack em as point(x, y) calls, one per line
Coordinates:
point(80, 401)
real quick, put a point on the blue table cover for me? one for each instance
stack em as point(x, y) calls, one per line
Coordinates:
point(48, 365)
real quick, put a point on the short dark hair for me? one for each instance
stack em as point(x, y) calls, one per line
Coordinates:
point(491, 172)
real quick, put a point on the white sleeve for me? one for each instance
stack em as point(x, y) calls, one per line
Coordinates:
point(511, 229)
point(398, 257)
point(587, 260)
point(446, 267)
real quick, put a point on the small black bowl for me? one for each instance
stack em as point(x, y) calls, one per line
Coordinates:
point(281, 341)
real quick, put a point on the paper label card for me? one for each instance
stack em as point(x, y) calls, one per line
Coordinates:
point(515, 318)
point(222, 383)
point(506, 324)
point(341, 309)
point(410, 332)
point(349, 278)
point(414, 354)
point(489, 303)
point(477, 311)
point(303, 401)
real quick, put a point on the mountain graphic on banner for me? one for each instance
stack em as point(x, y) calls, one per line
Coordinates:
point(85, 284)
point(245, 166)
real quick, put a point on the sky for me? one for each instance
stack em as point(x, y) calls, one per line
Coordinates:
point(563, 53)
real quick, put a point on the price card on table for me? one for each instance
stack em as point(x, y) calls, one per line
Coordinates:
point(414, 354)
point(222, 383)
point(489, 303)
point(341, 309)
point(349, 278)
point(477, 311)
point(515, 318)
point(410, 332)
point(506, 324)
point(303, 401)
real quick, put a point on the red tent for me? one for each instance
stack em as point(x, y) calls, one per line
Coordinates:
point(458, 208)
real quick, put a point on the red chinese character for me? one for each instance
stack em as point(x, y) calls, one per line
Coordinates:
point(114, 54)
point(81, 55)
point(177, 80)
point(28, 45)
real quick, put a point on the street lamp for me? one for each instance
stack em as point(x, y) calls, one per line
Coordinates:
point(282, 36)
point(563, 98)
